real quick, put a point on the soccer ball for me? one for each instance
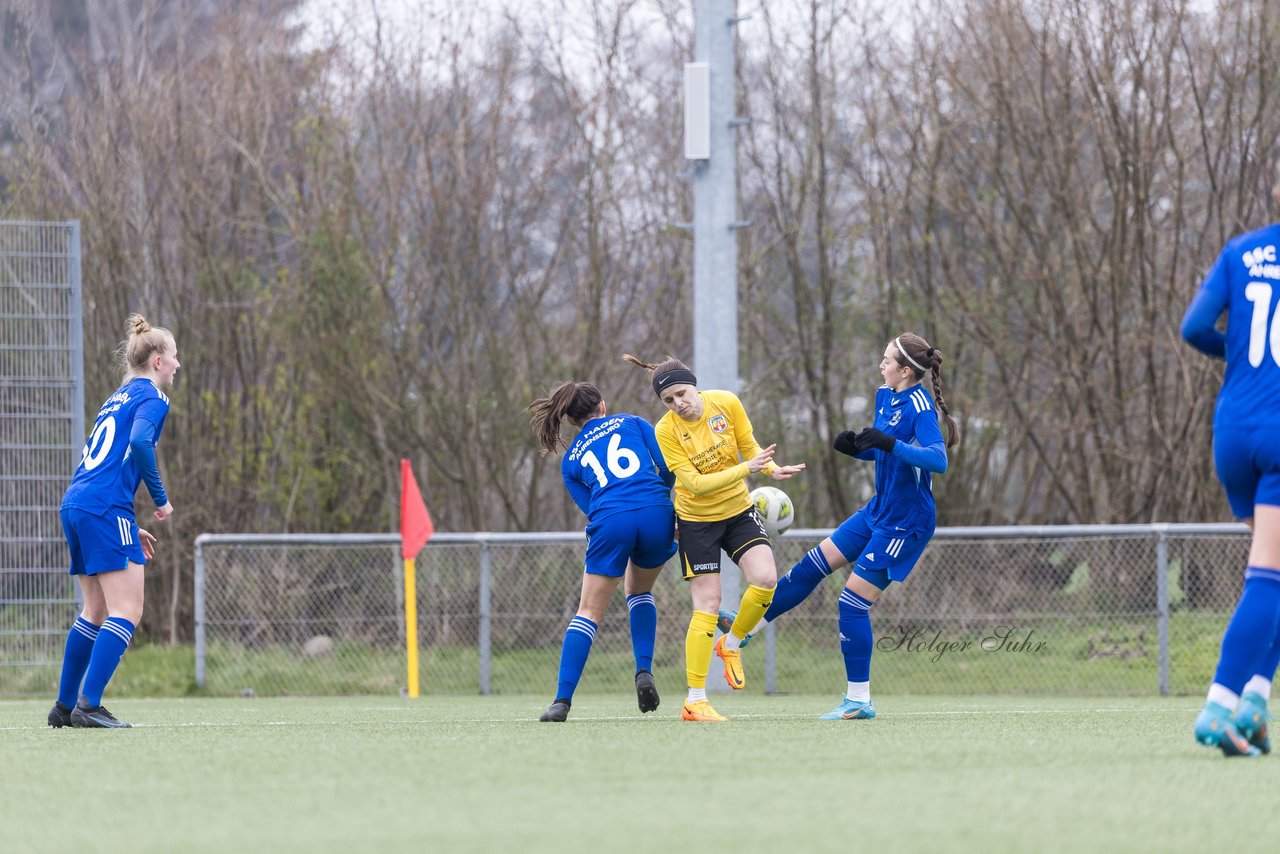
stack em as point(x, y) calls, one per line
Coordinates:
point(774, 509)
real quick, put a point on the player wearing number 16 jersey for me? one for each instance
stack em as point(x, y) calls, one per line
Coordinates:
point(107, 547)
point(1245, 282)
point(615, 473)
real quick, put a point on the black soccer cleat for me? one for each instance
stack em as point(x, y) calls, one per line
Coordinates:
point(646, 691)
point(557, 712)
point(59, 715)
point(85, 716)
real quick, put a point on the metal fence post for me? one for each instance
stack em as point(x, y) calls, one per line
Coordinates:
point(199, 609)
point(486, 615)
point(1162, 605)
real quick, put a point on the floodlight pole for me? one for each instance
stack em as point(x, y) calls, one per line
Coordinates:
point(710, 145)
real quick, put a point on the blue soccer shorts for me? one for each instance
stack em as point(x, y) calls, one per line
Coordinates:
point(105, 543)
point(878, 558)
point(645, 535)
point(1248, 464)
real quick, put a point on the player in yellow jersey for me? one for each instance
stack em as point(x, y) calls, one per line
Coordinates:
point(708, 444)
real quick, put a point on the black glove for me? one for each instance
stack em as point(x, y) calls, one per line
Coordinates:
point(873, 438)
point(846, 443)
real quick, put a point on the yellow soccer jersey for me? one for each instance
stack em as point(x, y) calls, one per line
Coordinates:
point(707, 457)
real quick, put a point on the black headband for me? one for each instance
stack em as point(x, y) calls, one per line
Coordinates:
point(672, 377)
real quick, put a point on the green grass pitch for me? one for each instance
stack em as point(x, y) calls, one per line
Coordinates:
point(450, 774)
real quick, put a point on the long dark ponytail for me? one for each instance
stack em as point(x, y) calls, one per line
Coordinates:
point(572, 400)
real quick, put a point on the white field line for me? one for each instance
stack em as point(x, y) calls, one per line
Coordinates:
point(609, 718)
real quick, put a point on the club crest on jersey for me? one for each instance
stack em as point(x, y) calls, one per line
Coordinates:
point(718, 423)
point(897, 416)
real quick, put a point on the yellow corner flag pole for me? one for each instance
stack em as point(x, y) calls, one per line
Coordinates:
point(411, 624)
point(416, 528)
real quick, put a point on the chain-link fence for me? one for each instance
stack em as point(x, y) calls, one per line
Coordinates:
point(1047, 610)
point(41, 435)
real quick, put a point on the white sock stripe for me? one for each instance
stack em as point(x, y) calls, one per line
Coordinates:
point(1259, 572)
point(86, 628)
point(815, 554)
point(578, 624)
point(640, 599)
point(118, 630)
point(851, 598)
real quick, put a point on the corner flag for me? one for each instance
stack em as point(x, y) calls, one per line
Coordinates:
point(416, 528)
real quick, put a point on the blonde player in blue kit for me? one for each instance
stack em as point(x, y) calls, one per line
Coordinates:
point(1245, 283)
point(615, 473)
point(883, 540)
point(108, 549)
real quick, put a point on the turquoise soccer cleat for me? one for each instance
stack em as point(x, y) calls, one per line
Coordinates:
point(850, 710)
point(724, 622)
point(1251, 719)
point(1213, 728)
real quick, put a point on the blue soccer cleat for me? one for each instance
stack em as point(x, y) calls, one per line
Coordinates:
point(1213, 728)
point(724, 622)
point(1251, 719)
point(850, 710)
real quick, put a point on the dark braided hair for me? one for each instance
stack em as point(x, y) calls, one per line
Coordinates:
point(913, 347)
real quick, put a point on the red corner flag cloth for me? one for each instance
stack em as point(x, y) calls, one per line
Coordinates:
point(416, 526)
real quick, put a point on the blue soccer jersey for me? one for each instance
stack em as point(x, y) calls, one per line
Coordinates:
point(1244, 282)
point(109, 473)
point(615, 464)
point(903, 503)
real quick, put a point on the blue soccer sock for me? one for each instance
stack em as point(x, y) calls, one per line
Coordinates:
point(801, 580)
point(108, 649)
point(1264, 673)
point(75, 660)
point(1249, 636)
point(573, 655)
point(643, 613)
point(856, 640)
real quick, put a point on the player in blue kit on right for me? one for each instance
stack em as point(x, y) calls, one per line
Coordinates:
point(615, 473)
point(1245, 283)
point(108, 549)
point(882, 541)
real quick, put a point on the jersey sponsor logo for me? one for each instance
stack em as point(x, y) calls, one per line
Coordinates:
point(706, 567)
point(718, 423)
